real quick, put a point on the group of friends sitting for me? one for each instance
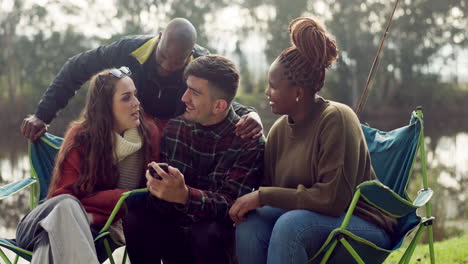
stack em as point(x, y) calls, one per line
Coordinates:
point(228, 194)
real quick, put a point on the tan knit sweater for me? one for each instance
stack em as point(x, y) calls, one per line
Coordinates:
point(316, 164)
point(129, 159)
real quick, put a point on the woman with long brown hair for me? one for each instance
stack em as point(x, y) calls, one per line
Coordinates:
point(103, 155)
point(315, 156)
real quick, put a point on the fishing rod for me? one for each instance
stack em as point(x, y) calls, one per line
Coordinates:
point(375, 63)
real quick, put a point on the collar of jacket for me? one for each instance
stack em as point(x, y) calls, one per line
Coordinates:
point(144, 51)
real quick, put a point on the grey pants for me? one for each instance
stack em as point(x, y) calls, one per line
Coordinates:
point(57, 231)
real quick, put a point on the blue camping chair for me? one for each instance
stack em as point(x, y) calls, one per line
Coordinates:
point(393, 155)
point(42, 157)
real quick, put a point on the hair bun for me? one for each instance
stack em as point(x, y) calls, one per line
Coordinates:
point(312, 42)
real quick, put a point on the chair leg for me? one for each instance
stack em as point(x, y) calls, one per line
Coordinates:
point(108, 251)
point(410, 250)
point(431, 243)
point(352, 251)
point(422, 154)
point(4, 257)
point(124, 258)
point(329, 252)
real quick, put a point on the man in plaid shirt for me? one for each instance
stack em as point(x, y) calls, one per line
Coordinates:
point(210, 166)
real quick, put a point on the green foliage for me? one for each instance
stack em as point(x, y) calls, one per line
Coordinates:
point(415, 38)
point(420, 30)
point(260, 103)
point(246, 77)
point(449, 251)
point(159, 12)
point(29, 62)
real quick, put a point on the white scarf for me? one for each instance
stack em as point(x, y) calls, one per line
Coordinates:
point(127, 145)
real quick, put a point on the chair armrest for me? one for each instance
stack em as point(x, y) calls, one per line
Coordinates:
point(423, 197)
point(386, 200)
point(14, 187)
point(116, 209)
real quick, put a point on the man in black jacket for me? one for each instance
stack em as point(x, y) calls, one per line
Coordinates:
point(157, 64)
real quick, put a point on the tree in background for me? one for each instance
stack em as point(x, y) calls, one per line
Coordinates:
point(150, 16)
point(246, 77)
point(32, 53)
point(421, 29)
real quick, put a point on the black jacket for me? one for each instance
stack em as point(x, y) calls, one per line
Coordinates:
point(131, 51)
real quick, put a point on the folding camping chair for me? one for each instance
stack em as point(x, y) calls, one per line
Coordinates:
point(393, 155)
point(42, 156)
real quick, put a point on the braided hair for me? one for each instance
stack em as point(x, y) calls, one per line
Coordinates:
point(312, 51)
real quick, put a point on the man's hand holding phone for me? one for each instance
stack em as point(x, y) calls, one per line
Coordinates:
point(153, 172)
point(167, 183)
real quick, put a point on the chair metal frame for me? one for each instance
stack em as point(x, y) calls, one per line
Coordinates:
point(344, 237)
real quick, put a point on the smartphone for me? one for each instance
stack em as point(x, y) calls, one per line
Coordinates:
point(153, 172)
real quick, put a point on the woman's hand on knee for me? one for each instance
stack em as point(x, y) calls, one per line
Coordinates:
point(243, 205)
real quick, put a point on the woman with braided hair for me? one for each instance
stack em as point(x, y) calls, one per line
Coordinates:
point(315, 156)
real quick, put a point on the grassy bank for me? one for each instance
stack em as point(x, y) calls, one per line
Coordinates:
point(453, 251)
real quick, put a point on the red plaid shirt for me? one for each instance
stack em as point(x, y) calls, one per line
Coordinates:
point(218, 166)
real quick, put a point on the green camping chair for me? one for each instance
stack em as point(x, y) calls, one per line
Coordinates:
point(393, 155)
point(42, 156)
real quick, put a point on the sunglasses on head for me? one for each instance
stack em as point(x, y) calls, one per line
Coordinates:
point(118, 73)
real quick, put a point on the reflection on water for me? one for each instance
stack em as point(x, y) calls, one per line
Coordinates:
point(452, 159)
point(13, 167)
point(451, 156)
point(18, 204)
point(447, 169)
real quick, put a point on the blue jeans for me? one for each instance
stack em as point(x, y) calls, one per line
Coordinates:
point(273, 235)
